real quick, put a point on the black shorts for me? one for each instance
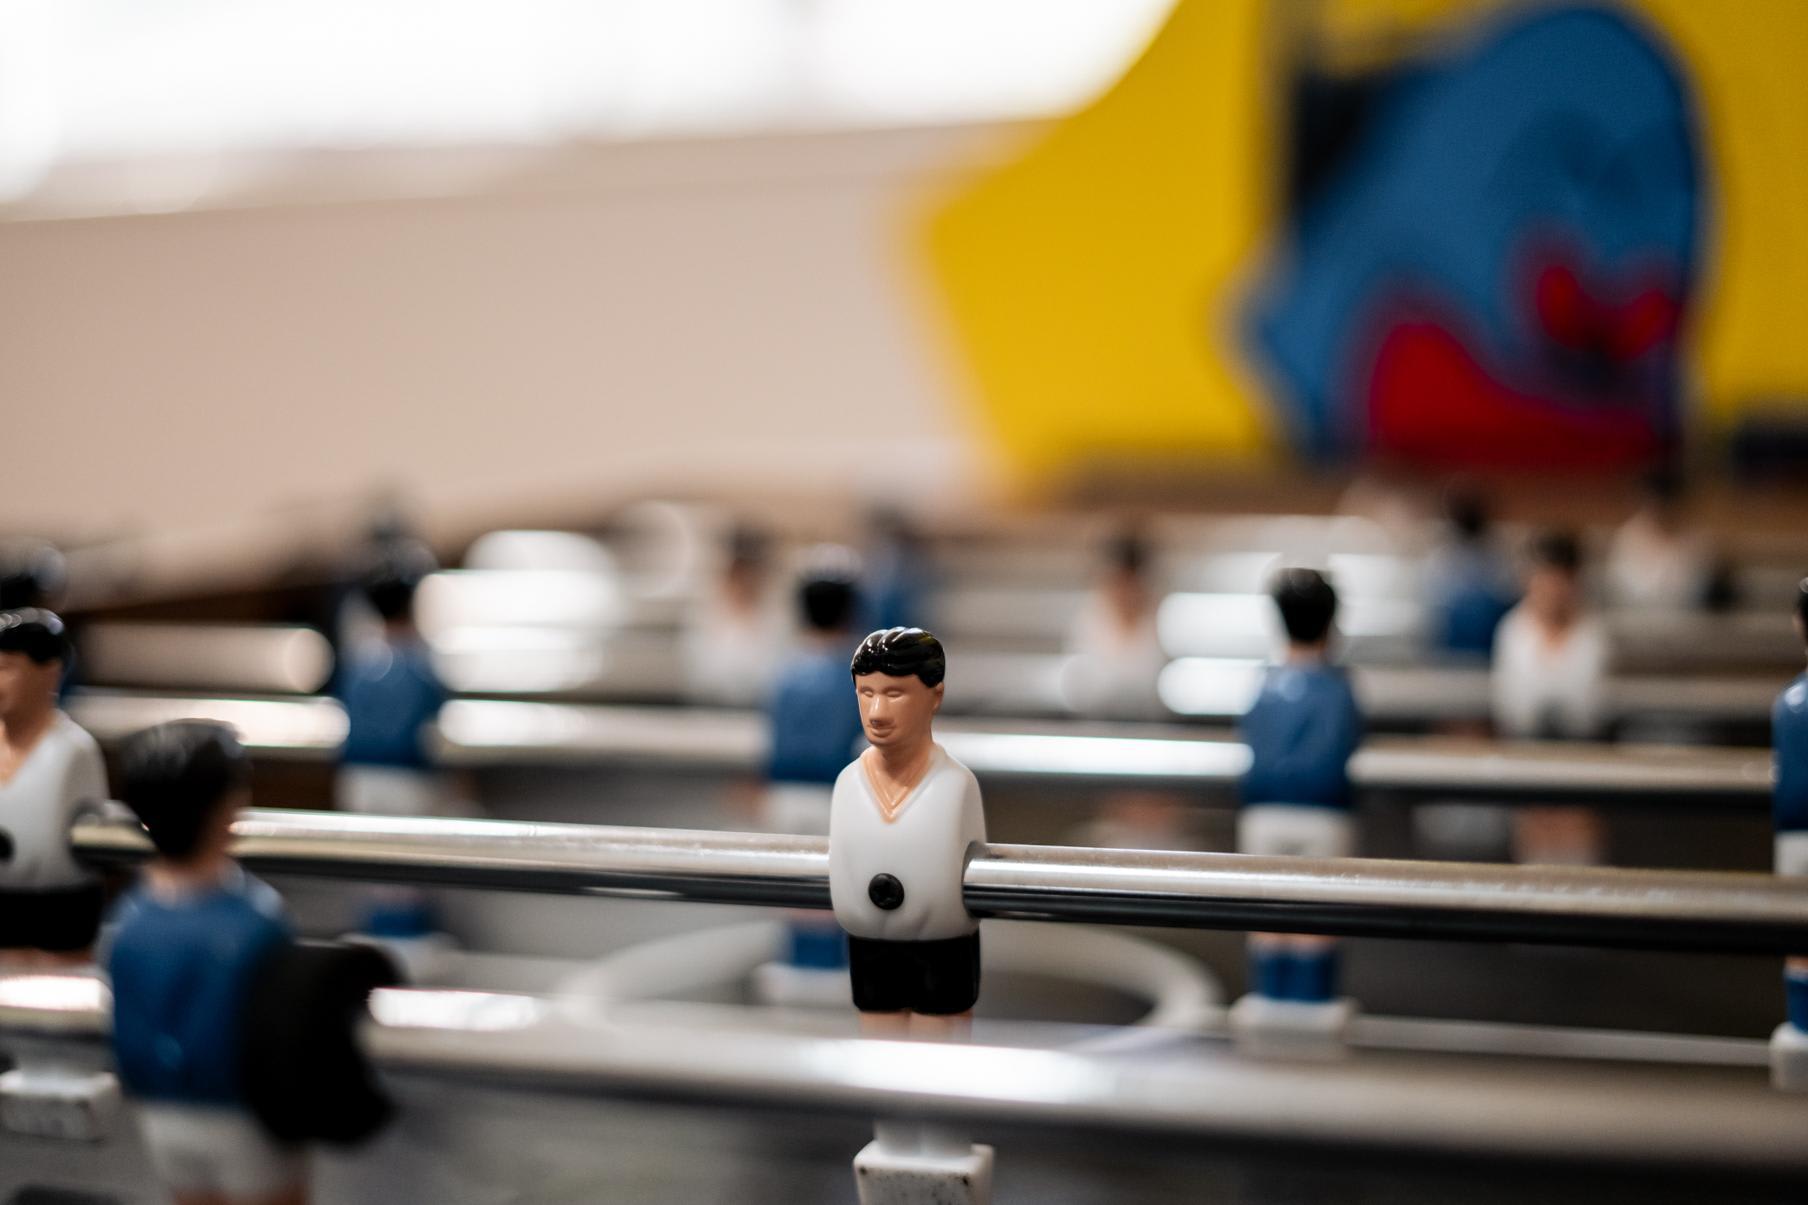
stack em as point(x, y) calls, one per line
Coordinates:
point(62, 920)
point(937, 978)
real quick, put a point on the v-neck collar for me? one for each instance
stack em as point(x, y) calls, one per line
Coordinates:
point(890, 814)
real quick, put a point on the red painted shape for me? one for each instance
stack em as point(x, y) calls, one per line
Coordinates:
point(1577, 318)
point(1430, 401)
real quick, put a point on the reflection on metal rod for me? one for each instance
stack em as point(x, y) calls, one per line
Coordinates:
point(1355, 896)
point(1695, 1117)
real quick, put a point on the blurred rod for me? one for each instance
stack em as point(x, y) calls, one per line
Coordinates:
point(1751, 913)
point(480, 732)
point(1480, 1106)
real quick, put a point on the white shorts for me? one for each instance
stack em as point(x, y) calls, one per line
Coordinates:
point(213, 1149)
point(1295, 830)
point(392, 791)
point(1792, 854)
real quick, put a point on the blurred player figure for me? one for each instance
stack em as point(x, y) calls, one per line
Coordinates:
point(392, 697)
point(51, 775)
point(1116, 654)
point(732, 638)
point(814, 724)
point(1656, 560)
point(1551, 659)
point(1789, 802)
point(1469, 580)
point(190, 942)
point(895, 589)
point(906, 818)
point(1302, 730)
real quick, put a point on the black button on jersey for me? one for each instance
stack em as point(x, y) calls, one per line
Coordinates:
point(885, 892)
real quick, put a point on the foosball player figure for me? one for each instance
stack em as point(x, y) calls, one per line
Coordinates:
point(392, 696)
point(905, 821)
point(1302, 730)
point(814, 724)
point(51, 776)
point(1549, 682)
point(233, 1040)
point(1789, 806)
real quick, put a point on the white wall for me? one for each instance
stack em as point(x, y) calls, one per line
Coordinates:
point(584, 326)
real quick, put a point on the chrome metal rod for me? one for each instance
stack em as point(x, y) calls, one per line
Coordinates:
point(480, 732)
point(1751, 913)
point(1527, 1107)
point(1652, 1115)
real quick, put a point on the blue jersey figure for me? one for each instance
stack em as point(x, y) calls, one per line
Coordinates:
point(1789, 738)
point(896, 581)
point(190, 941)
point(389, 688)
point(814, 721)
point(1469, 582)
point(1301, 732)
point(392, 696)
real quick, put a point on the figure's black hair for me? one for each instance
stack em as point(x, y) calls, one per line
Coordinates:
point(1467, 511)
point(393, 573)
point(1557, 549)
point(1128, 552)
point(29, 574)
point(176, 776)
point(1307, 604)
point(1801, 604)
point(37, 633)
point(901, 653)
point(827, 600)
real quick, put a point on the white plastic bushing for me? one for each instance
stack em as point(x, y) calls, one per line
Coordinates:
point(888, 1178)
point(59, 1103)
point(1292, 1029)
point(1789, 1059)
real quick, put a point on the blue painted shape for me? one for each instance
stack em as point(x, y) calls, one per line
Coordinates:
point(1566, 127)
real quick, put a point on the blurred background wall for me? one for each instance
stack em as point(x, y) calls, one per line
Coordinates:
point(588, 323)
point(496, 261)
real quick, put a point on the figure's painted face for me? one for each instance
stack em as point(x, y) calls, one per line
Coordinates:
point(1500, 273)
point(24, 683)
point(896, 712)
point(1553, 595)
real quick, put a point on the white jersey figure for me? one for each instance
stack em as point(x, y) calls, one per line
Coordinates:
point(60, 781)
point(921, 842)
point(732, 639)
point(1550, 683)
point(51, 775)
point(1656, 561)
point(904, 821)
point(1115, 654)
